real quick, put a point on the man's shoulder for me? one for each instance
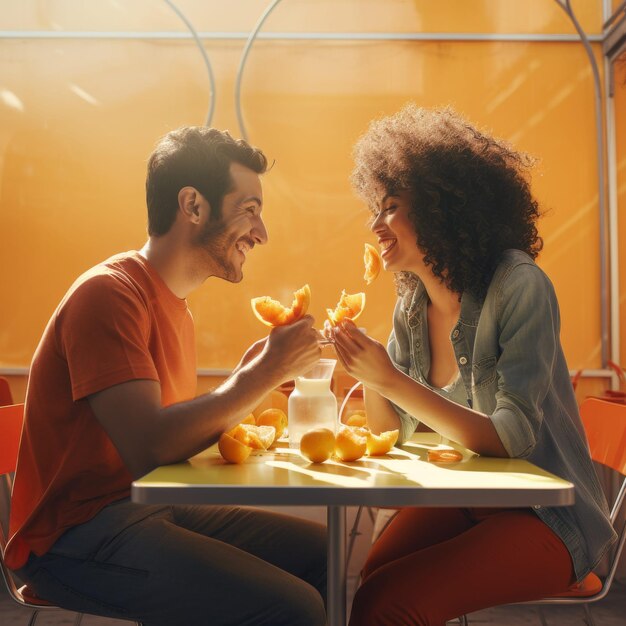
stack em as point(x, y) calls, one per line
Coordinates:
point(119, 274)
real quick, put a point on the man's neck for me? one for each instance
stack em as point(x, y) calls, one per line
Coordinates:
point(172, 264)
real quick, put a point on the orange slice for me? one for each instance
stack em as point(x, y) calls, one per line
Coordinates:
point(350, 444)
point(259, 437)
point(275, 418)
point(378, 445)
point(233, 450)
point(371, 259)
point(350, 306)
point(317, 445)
point(444, 456)
point(273, 313)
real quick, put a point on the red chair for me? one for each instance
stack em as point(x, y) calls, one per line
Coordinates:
point(605, 425)
point(6, 397)
point(11, 418)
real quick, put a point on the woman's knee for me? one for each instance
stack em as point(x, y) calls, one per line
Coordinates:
point(378, 602)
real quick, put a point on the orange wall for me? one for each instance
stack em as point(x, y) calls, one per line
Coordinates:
point(78, 119)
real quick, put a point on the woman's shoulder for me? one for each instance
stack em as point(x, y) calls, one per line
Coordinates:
point(519, 279)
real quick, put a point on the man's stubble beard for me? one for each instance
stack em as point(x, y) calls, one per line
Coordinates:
point(215, 245)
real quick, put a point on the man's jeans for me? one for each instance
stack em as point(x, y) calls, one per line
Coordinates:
point(187, 565)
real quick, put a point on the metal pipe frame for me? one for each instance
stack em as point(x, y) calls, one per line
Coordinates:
point(295, 36)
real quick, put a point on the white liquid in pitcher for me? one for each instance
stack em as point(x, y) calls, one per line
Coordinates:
point(311, 405)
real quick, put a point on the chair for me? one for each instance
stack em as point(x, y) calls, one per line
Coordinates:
point(6, 397)
point(605, 425)
point(11, 418)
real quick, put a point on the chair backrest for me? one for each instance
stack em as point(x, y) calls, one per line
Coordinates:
point(6, 397)
point(605, 425)
point(11, 418)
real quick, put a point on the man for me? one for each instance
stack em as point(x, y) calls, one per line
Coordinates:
point(111, 396)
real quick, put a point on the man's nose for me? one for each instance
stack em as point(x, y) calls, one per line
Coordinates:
point(259, 232)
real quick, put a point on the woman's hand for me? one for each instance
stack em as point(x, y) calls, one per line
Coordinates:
point(362, 357)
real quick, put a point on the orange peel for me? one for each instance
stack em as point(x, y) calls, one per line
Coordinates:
point(377, 445)
point(232, 450)
point(272, 313)
point(275, 418)
point(350, 307)
point(371, 259)
point(444, 456)
point(350, 443)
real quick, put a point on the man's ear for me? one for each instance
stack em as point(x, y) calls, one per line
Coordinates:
point(189, 204)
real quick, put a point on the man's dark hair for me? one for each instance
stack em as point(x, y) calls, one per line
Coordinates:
point(199, 157)
point(470, 196)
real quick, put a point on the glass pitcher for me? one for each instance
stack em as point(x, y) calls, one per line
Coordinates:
point(312, 404)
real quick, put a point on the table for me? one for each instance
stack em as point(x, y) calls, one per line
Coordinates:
point(403, 477)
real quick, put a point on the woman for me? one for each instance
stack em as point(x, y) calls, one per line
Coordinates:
point(475, 356)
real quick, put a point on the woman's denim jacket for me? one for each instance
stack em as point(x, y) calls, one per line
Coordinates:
point(513, 370)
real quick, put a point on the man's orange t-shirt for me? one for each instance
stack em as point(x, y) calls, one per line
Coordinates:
point(118, 322)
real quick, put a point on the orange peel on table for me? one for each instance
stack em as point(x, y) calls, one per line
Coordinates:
point(350, 443)
point(272, 313)
point(317, 445)
point(444, 456)
point(349, 307)
point(371, 259)
point(377, 445)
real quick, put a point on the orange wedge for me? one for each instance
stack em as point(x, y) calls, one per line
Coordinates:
point(317, 445)
point(273, 313)
point(275, 418)
point(233, 450)
point(350, 306)
point(378, 445)
point(371, 259)
point(259, 437)
point(350, 444)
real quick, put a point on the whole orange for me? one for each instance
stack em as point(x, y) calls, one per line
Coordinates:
point(317, 445)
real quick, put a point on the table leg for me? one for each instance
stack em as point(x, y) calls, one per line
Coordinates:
point(336, 601)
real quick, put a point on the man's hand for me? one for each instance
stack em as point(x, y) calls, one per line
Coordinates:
point(291, 350)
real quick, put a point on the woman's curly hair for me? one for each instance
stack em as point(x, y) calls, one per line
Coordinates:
point(470, 196)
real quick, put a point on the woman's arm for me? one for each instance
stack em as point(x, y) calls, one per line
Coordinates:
point(381, 415)
point(368, 361)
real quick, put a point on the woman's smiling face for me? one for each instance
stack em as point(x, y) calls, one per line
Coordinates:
point(396, 234)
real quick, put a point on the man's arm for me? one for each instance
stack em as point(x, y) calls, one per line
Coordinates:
point(147, 434)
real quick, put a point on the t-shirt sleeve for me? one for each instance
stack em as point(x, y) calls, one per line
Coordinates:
point(103, 332)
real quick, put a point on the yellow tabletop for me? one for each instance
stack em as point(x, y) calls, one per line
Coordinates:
point(404, 477)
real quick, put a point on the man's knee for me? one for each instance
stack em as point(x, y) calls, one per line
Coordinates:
point(300, 605)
